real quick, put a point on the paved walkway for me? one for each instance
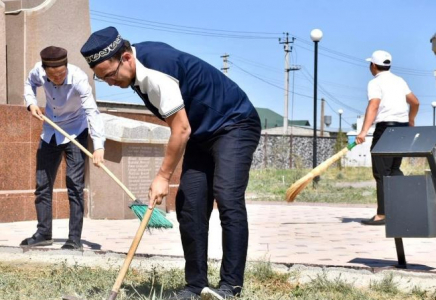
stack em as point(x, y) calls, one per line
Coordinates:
point(283, 233)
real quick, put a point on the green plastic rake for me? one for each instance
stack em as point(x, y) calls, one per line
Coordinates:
point(157, 220)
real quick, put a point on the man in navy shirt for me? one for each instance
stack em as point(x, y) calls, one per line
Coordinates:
point(217, 129)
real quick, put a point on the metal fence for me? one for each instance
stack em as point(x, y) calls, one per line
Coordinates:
point(286, 152)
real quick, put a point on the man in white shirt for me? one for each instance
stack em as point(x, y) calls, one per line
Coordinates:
point(70, 104)
point(391, 104)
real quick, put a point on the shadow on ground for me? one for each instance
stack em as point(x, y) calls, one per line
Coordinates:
point(93, 246)
point(351, 220)
point(385, 263)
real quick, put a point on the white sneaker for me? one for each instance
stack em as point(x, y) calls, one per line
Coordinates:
point(209, 294)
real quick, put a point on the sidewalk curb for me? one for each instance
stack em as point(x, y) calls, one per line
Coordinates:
point(278, 266)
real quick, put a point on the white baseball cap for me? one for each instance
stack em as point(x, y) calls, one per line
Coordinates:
point(381, 58)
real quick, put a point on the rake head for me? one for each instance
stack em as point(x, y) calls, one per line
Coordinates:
point(157, 219)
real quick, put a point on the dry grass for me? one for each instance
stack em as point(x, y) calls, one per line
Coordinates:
point(36, 282)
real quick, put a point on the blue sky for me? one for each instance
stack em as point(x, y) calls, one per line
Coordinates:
point(249, 31)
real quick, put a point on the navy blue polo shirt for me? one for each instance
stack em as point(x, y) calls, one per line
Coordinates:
point(212, 101)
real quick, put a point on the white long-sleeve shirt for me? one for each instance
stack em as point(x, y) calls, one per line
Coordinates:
point(70, 105)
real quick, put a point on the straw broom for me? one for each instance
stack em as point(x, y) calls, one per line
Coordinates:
point(300, 184)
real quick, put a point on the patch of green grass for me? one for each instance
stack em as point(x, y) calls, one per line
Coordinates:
point(348, 174)
point(325, 192)
point(271, 185)
point(335, 185)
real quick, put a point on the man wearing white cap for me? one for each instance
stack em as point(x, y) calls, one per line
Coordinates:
point(391, 104)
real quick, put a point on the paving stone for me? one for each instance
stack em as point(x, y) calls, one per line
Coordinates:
point(324, 235)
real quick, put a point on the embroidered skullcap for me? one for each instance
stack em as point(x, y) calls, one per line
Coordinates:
point(101, 45)
point(53, 56)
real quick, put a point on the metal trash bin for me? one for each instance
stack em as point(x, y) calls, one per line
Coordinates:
point(410, 201)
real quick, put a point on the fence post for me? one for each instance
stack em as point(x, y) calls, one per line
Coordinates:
point(290, 151)
point(265, 148)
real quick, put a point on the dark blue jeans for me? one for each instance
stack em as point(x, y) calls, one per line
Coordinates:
point(391, 165)
point(217, 169)
point(48, 159)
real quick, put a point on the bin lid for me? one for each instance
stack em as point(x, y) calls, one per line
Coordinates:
point(406, 141)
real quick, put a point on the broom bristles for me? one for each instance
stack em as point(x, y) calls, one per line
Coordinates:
point(157, 219)
point(300, 184)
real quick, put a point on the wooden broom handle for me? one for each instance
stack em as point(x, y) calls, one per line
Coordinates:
point(142, 226)
point(131, 253)
point(86, 151)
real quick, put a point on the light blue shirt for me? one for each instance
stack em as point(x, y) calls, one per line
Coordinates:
point(70, 105)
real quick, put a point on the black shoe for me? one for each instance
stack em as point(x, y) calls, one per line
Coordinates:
point(185, 294)
point(373, 222)
point(224, 292)
point(72, 245)
point(37, 239)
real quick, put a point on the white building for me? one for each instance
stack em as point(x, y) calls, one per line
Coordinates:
point(359, 156)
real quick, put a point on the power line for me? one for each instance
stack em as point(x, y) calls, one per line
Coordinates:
point(306, 73)
point(299, 94)
point(364, 64)
point(333, 57)
point(178, 25)
point(340, 102)
point(277, 70)
point(172, 28)
point(117, 94)
point(201, 31)
point(220, 33)
point(335, 112)
point(410, 71)
point(265, 81)
point(257, 64)
point(185, 32)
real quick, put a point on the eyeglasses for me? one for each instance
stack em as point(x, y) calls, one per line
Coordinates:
point(110, 75)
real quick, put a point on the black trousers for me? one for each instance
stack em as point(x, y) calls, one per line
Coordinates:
point(391, 165)
point(218, 169)
point(48, 159)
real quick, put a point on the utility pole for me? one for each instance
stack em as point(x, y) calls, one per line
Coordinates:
point(288, 50)
point(291, 150)
point(225, 61)
point(322, 116)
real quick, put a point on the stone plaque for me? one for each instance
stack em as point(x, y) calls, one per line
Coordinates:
point(141, 164)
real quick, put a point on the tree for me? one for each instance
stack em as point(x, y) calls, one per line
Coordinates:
point(341, 142)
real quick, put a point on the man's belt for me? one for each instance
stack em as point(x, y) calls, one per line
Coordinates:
point(392, 124)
